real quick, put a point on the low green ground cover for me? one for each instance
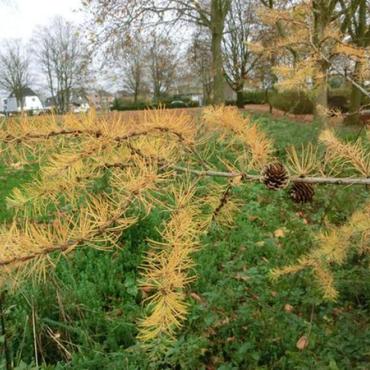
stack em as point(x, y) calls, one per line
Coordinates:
point(84, 316)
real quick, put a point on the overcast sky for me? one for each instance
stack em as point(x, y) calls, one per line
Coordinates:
point(18, 18)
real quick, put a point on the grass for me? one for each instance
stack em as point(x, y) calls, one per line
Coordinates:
point(84, 316)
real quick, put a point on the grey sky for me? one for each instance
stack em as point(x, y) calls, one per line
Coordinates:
point(20, 17)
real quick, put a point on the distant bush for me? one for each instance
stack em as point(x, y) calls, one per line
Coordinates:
point(338, 102)
point(366, 100)
point(193, 104)
point(297, 102)
point(339, 98)
point(336, 82)
point(230, 102)
point(254, 97)
point(120, 105)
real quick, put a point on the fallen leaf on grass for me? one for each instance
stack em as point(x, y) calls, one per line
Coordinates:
point(288, 308)
point(279, 233)
point(302, 343)
point(241, 277)
point(303, 217)
point(197, 298)
point(17, 165)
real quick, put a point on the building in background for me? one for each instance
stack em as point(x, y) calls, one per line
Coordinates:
point(31, 103)
point(100, 99)
point(78, 102)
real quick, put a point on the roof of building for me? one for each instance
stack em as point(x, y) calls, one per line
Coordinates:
point(26, 91)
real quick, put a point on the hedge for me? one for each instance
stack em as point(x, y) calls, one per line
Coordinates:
point(292, 101)
point(120, 105)
point(254, 97)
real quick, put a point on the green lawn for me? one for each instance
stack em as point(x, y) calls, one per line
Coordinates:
point(85, 315)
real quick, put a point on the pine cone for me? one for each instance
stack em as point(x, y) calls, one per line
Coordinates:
point(302, 192)
point(275, 176)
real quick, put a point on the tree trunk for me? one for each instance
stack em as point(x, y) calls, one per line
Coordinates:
point(19, 102)
point(217, 69)
point(321, 95)
point(240, 98)
point(217, 29)
point(321, 20)
point(361, 41)
point(267, 100)
point(353, 117)
point(157, 93)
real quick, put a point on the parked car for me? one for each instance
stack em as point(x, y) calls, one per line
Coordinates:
point(178, 104)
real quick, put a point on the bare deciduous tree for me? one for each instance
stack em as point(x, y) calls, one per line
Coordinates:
point(115, 17)
point(200, 58)
point(14, 70)
point(162, 63)
point(132, 66)
point(63, 58)
point(238, 59)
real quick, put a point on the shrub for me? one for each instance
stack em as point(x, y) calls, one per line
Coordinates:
point(193, 104)
point(230, 103)
point(337, 81)
point(365, 100)
point(339, 98)
point(338, 102)
point(120, 105)
point(254, 97)
point(297, 102)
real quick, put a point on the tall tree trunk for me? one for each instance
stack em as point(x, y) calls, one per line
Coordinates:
point(18, 100)
point(240, 95)
point(321, 94)
point(321, 20)
point(157, 92)
point(136, 94)
point(217, 69)
point(356, 97)
point(218, 15)
point(240, 99)
point(361, 41)
point(207, 93)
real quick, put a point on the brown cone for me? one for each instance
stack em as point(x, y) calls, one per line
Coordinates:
point(302, 192)
point(275, 176)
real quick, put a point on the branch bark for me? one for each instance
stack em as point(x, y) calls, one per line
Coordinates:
point(308, 180)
